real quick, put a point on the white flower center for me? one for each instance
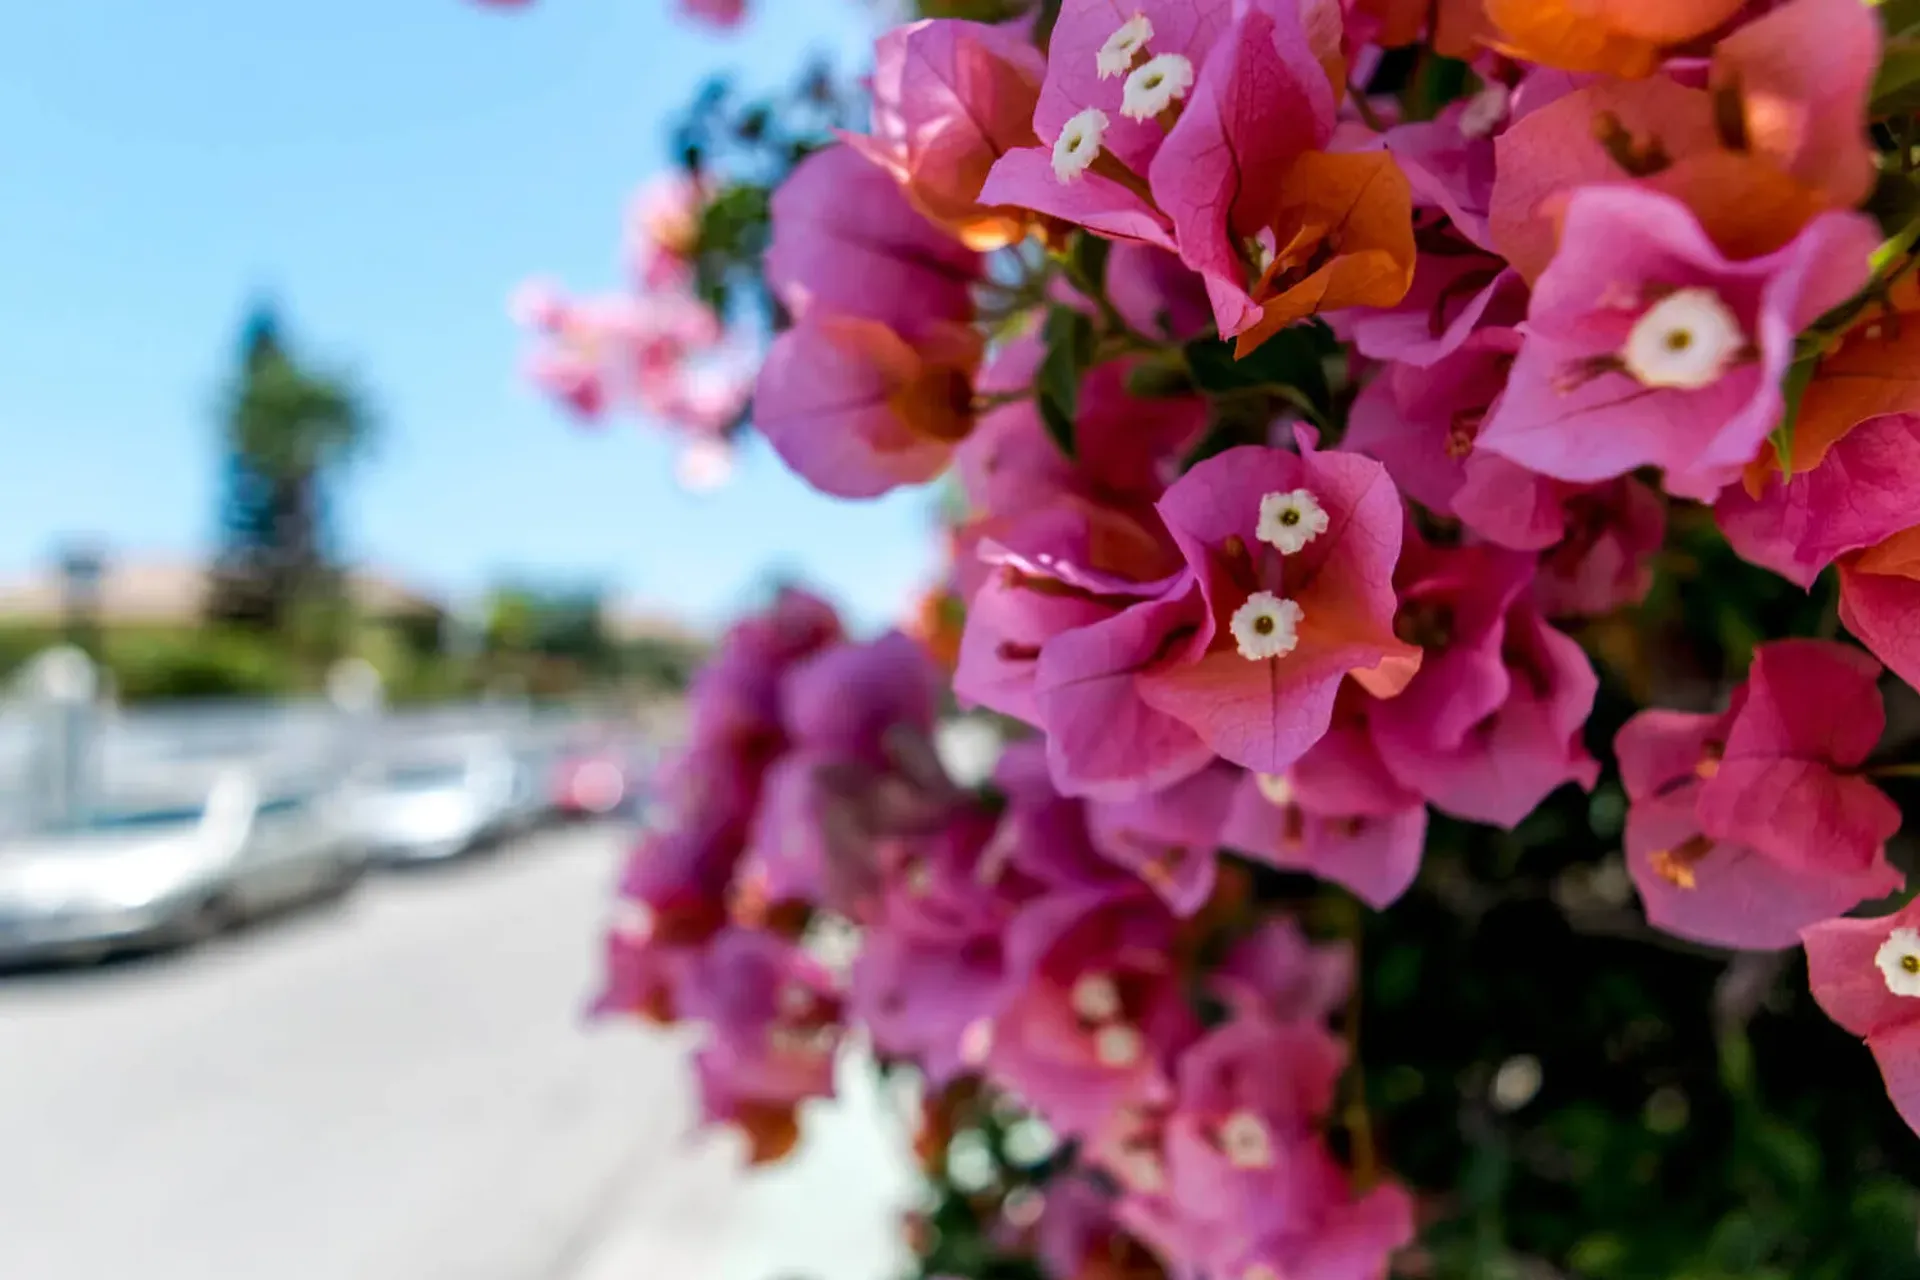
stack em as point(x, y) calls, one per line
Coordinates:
point(1899, 961)
point(1118, 1045)
point(1266, 626)
point(795, 1001)
point(1685, 341)
point(1155, 85)
point(976, 1041)
point(1078, 145)
point(1095, 998)
point(631, 921)
point(1290, 521)
point(1246, 1142)
point(1116, 55)
point(1276, 787)
point(1142, 1171)
point(1485, 110)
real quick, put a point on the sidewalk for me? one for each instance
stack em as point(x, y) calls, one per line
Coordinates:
point(830, 1212)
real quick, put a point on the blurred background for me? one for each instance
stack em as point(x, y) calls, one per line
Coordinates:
point(334, 661)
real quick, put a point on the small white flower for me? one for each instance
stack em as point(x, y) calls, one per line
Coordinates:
point(1078, 145)
point(1266, 626)
point(1899, 961)
point(1118, 1045)
point(1116, 55)
point(632, 921)
point(1276, 787)
point(1096, 998)
point(1290, 521)
point(1155, 85)
point(1485, 110)
point(1141, 1170)
point(1245, 1141)
point(1685, 341)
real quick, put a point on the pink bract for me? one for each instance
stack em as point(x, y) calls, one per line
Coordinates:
point(1748, 826)
point(846, 242)
point(1571, 410)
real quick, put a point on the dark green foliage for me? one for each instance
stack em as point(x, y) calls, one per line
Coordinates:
point(1069, 342)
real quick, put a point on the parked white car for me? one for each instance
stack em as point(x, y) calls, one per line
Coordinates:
point(170, 865)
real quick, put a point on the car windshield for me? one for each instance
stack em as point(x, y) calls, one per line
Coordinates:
point(141, 817)
point(425, 777)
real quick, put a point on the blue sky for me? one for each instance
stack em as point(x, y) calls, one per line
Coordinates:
point(388, 171)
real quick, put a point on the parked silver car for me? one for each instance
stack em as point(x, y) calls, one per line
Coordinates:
point(169, 865)
point(435, 801)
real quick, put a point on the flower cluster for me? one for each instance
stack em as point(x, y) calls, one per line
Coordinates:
point(1315, 431)
point(655, 347)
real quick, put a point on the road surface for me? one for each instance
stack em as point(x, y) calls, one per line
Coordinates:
point(401, 1088)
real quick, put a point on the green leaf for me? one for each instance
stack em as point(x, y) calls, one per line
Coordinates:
point(1793, 389)
point(1896, 89)
point(1292, 358)
point(1159, 377)
point(1900, 17)
point(1068, 338)
point(1086, 263)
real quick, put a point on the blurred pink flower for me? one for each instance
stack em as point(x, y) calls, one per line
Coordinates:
point(1747, 826)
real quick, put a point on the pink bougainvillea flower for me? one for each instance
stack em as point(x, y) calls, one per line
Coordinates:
point(1349, 1238)
point(663, 229)
point(1156, 293)
point(949, 98)
point(1455, 295)
point(1244, 166)
point(1604, 558)
point(1647, 347)
point(1078, 1239)
point(1097, 1013)
point(1338, 814)
point(1492, 723)
point(1617, 37)
point(1125, 447)
point(1091, 162)
point(1106, 734)
point(735, 698)
point(931, 972)
point(846, 242)
point(1801, 75)
point(1866, 976)
point(1423, 424)
point(716, 13)
point(1859, 493)
point(1657, 133)
point(671, 904)
point(856, 410)
point(846, 700)
point(774, 1020)
point(1275, 973)
point(1449, 164)
point(1168, 837)
point(1294, 556)
point(1880, 601)
point(1745, 827)
point(1208, 1171)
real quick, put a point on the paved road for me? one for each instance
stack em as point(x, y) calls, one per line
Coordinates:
point(399, 1088)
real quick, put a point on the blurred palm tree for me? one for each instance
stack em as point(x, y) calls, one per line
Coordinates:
point(289, 433)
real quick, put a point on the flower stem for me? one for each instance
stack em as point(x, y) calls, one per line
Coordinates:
point(1354, 1116)
point(1909, 769)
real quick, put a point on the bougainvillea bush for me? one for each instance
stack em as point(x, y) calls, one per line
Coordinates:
point(1438, 547)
